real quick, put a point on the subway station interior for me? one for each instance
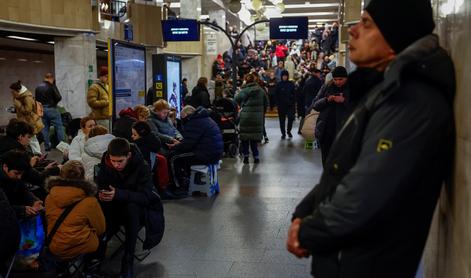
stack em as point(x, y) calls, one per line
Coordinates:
point(235, 138)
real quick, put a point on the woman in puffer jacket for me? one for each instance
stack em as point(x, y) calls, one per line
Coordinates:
point(95, 146)
point(78, 143)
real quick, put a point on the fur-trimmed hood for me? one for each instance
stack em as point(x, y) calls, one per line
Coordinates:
point(68, 191)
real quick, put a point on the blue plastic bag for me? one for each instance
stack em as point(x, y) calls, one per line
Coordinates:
point(31, 243)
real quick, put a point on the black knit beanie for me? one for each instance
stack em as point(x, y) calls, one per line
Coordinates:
point(402, 22)
point(339, 72)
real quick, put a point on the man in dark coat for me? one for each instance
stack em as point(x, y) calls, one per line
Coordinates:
point(48, 95)
point(332, 103)
point(285, 99)
point(311, 88)
point(128, 199)
point(202, 143)
point(371, 212)
point(200, 94)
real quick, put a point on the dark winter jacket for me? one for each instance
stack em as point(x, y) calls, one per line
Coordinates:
point(203, 137)
point(285, 96)
point(147, 145)
point(311, 89)
point(371, 212)
point(48, 94)
point(253, 101)
point(122, 127)
point(17, 193)
point(134, 185)
point(200, 97)
point(9, 229)
point(332, 114)
point(164, 129)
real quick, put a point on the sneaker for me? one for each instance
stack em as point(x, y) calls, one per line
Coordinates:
point(266, 140)
point(246, 160)
point(290, 135)
point(283, 137)
point(256, 160)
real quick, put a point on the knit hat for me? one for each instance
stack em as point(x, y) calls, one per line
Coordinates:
point(103, 71)
point(402, 22)
point(72, 169)
point(339, 72)
point(285, 72)
point(16, 86)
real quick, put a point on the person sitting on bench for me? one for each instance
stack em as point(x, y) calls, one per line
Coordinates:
point(128, 199)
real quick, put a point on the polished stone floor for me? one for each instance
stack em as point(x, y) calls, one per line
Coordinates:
point(241, 232)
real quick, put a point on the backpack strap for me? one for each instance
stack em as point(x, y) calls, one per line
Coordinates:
point(59, 221)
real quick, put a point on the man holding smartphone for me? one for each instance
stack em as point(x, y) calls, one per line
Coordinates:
point(13, 164)
point(128, 199)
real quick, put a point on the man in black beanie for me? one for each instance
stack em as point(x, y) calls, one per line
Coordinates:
point(332, 103)
point(370, 214)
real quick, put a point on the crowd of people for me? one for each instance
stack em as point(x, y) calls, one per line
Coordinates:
point(114, 174)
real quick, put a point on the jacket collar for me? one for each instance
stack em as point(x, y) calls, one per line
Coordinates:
point(88, 187)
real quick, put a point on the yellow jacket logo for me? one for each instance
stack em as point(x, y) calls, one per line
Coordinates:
point(384, 145)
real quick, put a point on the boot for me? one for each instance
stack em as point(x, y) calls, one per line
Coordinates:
point(127, 266)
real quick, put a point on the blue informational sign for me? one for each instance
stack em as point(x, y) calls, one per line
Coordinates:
point(180, 30)
point(289, 28)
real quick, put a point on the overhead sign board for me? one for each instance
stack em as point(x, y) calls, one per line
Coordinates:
point(180, 30)
point(289, 28)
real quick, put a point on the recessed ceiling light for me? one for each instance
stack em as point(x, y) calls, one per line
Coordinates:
point(21, 38)
point(22, 60)
point(37, 62)
point(2, 58)
point(50, 42)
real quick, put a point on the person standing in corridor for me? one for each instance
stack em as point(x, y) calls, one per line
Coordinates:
point(48, 95)
point(370, 214)
point(285, 99)
point(99, 100)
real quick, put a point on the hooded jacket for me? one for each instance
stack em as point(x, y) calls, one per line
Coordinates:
point(285, 94)
point(25, 107)
point(371, 212)
point(80, 231)
point(253, 101)
point(134, 185)
point(93, 150)
point(203, 137)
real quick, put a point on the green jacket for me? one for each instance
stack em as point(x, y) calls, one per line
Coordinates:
point(253, 101)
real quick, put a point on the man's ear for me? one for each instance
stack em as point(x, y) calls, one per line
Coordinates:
point(129, 155)
point(5, 168)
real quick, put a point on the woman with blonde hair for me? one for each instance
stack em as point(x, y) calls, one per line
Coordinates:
point(162, 125)
point(96, 144)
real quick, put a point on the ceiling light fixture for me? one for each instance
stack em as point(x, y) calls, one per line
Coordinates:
point(50, 42)
point(21, 38)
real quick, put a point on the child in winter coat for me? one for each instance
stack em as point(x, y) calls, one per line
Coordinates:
point(81, 230)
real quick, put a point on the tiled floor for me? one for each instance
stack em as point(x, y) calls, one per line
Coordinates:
point(241, 232)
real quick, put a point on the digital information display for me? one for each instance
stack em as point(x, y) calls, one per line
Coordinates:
point(129, 75)
point(174, 84)
point(289, 28)
point(181, 30)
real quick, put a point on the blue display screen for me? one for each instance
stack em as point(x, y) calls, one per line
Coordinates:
point(180, 30)
point(289, 28)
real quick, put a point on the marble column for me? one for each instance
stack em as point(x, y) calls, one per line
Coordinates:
point(75, 68)
point(223, 44)
point(191, 67)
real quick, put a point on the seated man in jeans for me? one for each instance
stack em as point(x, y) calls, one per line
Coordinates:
point(202, 143)
point(128, 199)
